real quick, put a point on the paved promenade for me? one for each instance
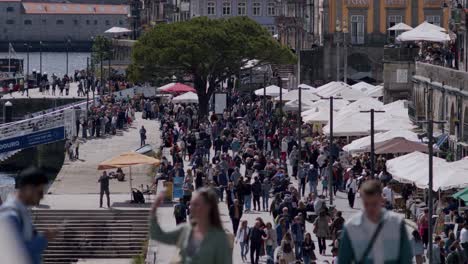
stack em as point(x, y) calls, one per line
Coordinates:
point(81, 176)
point(34, 93)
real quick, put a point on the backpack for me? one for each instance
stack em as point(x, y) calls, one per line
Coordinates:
point(287, 248)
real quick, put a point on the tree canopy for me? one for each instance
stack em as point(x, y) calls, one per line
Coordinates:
point(209, 50)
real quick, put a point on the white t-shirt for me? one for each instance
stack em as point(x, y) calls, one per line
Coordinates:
point(464, 235)
point(388, 194)
point(376, 252)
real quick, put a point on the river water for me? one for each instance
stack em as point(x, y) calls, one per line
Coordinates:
point(53, 62)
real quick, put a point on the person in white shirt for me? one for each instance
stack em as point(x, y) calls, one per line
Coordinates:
point(389, 197)
point(351, 188)
point(464, 235)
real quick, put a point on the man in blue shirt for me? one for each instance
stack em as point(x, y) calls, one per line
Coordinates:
point(30, 190)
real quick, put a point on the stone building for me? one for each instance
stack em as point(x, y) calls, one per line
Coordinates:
point(449, 102)
point(56, 22)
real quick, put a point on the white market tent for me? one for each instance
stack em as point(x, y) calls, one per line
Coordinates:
point(339, 90)
point(400, 27)
point(414, 168)
point(186, 98)
point(166, 86)
point(294, 105)
point(425, 32)
point(271, 91)
point(294, 95)
point(369, 89)
point(304, 86)
point(361, 144)
point(377, 92)
point(317, 115)
point(338, 104)
point(117, 30)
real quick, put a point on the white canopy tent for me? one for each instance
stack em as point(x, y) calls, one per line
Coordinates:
point(339, 90)
point(361, 144)
point(425, 32)
point(414, 168)
point(317, 115)
point(117, 30)
point(271, 91)
point(294, 95)
point(369, 89)
point(400, 27)
point(425, 26)
point(306, 87)
point(186, 98)
point(338, 104)
point(294, 105)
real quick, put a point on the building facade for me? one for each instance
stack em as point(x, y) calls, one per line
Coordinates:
point(57, 22)
point(444, 92)
point(363, 24)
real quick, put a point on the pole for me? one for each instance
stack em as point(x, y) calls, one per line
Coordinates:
point(264, 114)
point(337, 59)
point(280, 84)
point(27, 61)
point(67, 57)
point(330, 158)
point(345, 46)
point(372, 153)
point(40, 58)
point(299, 118)
point(87, 90)
point(102, 76)
point(430, 150)
point(9, 57)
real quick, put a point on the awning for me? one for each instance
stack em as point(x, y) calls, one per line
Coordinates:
point(400, 27)
point(462, 195)
point(398, 145)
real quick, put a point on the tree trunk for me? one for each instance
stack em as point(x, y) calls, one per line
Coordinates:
point(203, 97)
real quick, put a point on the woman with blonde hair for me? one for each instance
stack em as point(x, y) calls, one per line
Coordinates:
point(287, 248)
point(203, 240)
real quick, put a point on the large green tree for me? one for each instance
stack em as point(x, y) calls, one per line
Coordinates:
point(210, 50)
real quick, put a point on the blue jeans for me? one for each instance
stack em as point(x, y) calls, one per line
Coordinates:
point(313, 187)
point(298, 245)
point(247, 202)
point(265, 198)
point(306, 259)
point(244, 249)
point(270, 253)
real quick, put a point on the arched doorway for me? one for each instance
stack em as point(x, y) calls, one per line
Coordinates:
point(452, 120)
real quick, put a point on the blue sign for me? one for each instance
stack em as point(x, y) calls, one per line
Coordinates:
point(177, 189)
point(33, 139)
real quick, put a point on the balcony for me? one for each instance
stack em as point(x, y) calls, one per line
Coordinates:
point(396, 3)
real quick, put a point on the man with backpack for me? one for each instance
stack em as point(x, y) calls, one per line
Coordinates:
point(30, 184)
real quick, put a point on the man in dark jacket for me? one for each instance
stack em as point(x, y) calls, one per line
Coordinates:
point(235, 212)
point(257, 192)
point(255, 236)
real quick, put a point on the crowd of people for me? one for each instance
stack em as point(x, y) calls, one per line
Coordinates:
point(251, 158)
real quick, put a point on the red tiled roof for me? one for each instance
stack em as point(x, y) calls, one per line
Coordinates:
point(10, 1)
point(82, 9)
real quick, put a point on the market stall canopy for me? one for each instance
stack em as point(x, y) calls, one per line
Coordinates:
point(359, 145)
point(294, 95)
point(304, 86)
point(339, 90)
point(178, 88)
point(426, 26)
point(317, 115)
point(294, 105)
point(369, 89)
point(398, 145)
point(271, 91)
point(462, 195)
point(126, 160)
point(338, 104)
point(186, 98)
point(425, 32)
point(166, 86)
point(400, 27)
point(413, 168)
point(117, 30)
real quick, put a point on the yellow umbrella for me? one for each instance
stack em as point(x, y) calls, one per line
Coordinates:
point(128, 159)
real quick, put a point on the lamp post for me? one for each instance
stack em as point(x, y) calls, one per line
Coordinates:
point(330, 157)
point(27, 61)
point(345, 49)
point(264, 114)
point(109, 69)
point(67, 43)
point(372, 132)
point(87, 89)
point(338, 30)
point(40, 58)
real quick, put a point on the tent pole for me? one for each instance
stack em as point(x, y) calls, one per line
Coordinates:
point(130, 180)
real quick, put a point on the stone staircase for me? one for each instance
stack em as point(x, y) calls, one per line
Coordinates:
point(93, 234)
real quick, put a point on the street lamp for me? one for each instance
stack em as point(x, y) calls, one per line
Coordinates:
point(338, 30)
point(27, 59)
point(67, 43)
point(372, 132)
point(345, 47)
point(40, 58)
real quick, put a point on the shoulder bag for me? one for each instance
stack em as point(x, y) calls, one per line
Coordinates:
point(371, 243)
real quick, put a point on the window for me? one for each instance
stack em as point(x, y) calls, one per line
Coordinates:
point(357, 29)
point(44, 21)
point(10, 9)
point(28, 22)
point(271, 29)
point(59, 22)
point(392, 21)
point(88, 22)
point(226, 8)
point(95, 22)
point(107, 22)
point(435, 20)
point(65, 8)
point(211, 10)
point(257, 9)
point(121, 22)
point(75, 22)
point(241, 9)
point(271, 9)
point(10, 22)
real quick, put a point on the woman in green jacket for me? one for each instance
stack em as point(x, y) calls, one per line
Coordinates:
point(203, 240)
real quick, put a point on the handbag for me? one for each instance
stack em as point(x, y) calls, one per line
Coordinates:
point(371, 243)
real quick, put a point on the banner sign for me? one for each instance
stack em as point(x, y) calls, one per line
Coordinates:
point(177, 191)
point(33, 139)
